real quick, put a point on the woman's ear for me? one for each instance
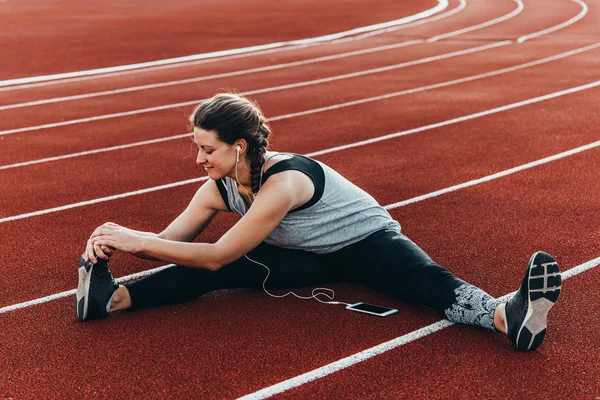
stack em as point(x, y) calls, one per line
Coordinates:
point(240, 144)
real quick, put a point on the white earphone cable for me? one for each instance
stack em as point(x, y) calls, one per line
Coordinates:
point(314, 292)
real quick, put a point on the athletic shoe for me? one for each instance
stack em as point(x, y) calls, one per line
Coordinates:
point(527, 310)
point(96, 287)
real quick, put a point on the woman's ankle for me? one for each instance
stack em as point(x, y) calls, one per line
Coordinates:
point(121, 300)
point(499, 321)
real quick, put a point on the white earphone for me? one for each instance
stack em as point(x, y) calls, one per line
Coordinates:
point(238, 148)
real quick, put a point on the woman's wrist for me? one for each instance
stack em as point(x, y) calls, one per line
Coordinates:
point(142, 245)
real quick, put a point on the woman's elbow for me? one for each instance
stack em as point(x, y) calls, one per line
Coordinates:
point(213, 266)
point(219, 257)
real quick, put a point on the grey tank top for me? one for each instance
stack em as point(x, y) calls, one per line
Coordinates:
point(339, 213)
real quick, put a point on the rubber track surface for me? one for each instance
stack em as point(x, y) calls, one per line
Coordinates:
point(234, 342)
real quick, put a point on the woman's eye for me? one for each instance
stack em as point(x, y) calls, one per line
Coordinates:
point(208, 152)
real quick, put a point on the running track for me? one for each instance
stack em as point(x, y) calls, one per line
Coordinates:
point(410, 113)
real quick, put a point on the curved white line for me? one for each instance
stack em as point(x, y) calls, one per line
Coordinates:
point(215, 76)
point(461, 6)
point(582, 13)
point(149, 69)
point(246, 71)
point(264, 90)
point(442, 5)
point(333, 149)
point(513, 13)
point(322, 109)
point(231, 57)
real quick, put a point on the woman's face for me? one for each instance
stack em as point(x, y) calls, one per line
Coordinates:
point(215, 156)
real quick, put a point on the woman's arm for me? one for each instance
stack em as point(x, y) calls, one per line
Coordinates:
point(281, 193)
point(205, 204)
point(203, 207)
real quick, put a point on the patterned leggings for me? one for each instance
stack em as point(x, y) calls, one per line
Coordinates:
point(385, 261)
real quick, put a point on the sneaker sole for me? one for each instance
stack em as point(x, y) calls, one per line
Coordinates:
point(544, 285)
point(83, 290)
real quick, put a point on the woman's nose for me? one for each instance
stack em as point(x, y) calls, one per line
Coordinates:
point(201, 158)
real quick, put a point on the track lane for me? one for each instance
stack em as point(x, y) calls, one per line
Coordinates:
point(242, 336)
point(51, 47)
point(170, 122)
point(162, 95)
point(171, 96)
point(210, 66)
point(328, 108)
point(537, 16)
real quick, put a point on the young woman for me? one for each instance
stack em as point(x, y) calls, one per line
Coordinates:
point(302, 224)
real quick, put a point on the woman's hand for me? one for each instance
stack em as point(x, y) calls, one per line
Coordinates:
point(93, 252)
point(113, 236)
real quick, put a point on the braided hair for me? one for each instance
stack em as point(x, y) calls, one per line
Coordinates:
point(234, 117)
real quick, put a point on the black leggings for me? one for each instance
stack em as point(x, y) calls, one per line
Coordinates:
point(385, 260)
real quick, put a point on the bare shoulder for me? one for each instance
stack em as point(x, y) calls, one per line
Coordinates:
point(274, 158)
point(293, 184)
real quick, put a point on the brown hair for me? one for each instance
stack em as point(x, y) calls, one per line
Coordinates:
point(234, 117)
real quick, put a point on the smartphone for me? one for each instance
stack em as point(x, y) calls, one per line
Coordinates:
point(372, 309)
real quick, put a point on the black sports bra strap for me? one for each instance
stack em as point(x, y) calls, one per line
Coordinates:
point(223, 192)
point(305, 165)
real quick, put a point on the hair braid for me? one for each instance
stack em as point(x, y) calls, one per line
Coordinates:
point(258, 149)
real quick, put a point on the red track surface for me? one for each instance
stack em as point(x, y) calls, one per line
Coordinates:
point(231, 343)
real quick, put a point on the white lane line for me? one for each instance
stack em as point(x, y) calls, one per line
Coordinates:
point(497, 175)
point(381, 348)
point(582, 13)
point(442, 5)
point(508, 16)
point(102, 199)
point(338, 148)
point(322, 109)
point(461, 6)
point(67, 293)
point(233, 57)
point(157, 68)
point(266, 90)
point(214, 76)
point(95, 151)
point(459, 119)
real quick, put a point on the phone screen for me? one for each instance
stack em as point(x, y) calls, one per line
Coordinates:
point(371, 308)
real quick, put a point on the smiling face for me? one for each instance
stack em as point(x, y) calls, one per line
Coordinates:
point(223, 122)
point(215, 156)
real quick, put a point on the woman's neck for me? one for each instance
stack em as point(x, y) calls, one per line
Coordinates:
point(244, 176)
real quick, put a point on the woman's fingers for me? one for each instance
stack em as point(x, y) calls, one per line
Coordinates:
point(89, 252)
point(103, 230)
point(96, 249)
point(107, 250)
point(103, 241)
point(99, 252)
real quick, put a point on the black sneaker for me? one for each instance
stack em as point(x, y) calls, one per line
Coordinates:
point(96, 286)
point(527, 310)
